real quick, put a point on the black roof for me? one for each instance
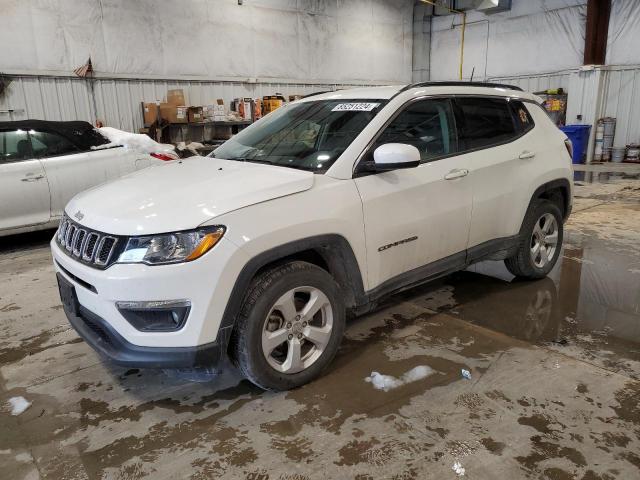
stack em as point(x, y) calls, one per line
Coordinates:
point(462, 84)
point(82, 134)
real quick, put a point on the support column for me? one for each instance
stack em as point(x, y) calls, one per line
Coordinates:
point(597, 30)
point(421, 55)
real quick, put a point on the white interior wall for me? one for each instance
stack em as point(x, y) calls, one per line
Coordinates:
point(539, 44)
point(535, 36)
point(267, 40)
point(624, 33)
point(209, 48)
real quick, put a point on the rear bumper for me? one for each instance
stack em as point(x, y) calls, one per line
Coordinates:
point(103, 338)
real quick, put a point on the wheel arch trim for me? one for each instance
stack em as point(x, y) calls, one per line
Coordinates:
point(334, 249)
point(560, 183)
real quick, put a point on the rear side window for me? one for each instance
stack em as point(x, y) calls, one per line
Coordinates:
point(47, 144)
point(521, 115)
point(483, 122)
point(427, 125)
point(14, 146)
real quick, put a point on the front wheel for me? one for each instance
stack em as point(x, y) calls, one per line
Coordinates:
point(540, 242)
point(289, 327)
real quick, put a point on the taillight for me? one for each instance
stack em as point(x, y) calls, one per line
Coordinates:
point(569, 145)
point(165, 157)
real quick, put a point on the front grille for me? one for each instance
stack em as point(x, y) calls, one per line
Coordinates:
point(88, 246)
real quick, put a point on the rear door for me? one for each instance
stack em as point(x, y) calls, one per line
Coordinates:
point(417, 217)
point(24, 191)
point(494, 139)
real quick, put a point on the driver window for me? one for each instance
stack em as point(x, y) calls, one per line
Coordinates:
point(14, 146)
point(427, 125)
point(47, 144)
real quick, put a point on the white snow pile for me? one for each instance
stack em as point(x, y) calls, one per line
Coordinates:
point(18, 405)
point(191, 147)
point(389, 382)
point(133, 141)
point(459, 469)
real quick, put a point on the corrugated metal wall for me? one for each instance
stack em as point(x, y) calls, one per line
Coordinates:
point(117, 101)
point(611, 91)
point(538, 82)
point(604, 91)
point(621, 97)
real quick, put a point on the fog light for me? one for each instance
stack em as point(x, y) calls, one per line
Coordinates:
point(155, 316)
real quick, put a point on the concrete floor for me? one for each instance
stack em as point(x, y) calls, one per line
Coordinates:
point(554, 389)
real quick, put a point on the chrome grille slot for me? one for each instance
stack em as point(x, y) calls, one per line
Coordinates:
point(78, 242)
point(68, 241)
point(104, 250)
point(88, 246)
point(61, 231)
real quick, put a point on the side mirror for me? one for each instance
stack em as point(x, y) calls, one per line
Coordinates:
point(393, 156)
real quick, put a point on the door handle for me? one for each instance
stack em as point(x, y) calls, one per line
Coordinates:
point(32, 179)
point(526, 154)
point(456, 173)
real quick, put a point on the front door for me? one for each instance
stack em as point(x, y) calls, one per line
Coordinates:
point(24, 191)
point(417, 219)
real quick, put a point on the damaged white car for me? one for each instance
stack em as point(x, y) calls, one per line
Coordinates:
point(44, 164)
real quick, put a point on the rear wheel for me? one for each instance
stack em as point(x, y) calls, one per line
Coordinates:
point(290, 326)
point(540, 242)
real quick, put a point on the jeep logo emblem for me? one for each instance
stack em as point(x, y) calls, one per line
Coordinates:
point(78, 215)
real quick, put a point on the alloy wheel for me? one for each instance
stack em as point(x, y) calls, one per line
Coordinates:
point(297, 329)
point(544, 240)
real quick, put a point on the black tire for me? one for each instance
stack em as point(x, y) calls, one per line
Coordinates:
point(521, 264)
point(246, 341)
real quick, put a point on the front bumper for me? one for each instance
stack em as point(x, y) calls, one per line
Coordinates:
point(206, 283)
point(103, 338)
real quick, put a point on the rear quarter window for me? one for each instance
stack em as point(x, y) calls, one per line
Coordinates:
point(483, 122)
point(521, 116)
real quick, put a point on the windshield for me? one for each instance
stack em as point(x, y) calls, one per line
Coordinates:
point(305, 135)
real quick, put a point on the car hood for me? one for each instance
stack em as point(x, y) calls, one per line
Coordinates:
point(182, 194)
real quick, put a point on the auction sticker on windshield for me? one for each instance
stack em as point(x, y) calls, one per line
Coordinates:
point(354, 107)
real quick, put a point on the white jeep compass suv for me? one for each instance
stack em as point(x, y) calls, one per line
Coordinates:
point(321, 208)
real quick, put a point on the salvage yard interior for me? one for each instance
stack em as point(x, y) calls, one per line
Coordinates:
point(311, 239)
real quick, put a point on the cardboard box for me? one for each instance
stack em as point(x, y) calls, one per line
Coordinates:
point(244, 106)
point(195, 115)
point(210, 111)
point(176, 97)
point(173, 113)
point(271, 103)
point(216, 112)
point(150, 112)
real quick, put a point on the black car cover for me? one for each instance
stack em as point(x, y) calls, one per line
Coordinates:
point(81, 134)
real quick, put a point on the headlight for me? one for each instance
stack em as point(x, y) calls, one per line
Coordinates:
point(171, 247)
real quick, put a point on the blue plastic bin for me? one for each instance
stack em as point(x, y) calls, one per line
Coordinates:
point(579, 136)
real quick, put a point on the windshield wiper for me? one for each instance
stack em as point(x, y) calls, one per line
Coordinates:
point(247, 159)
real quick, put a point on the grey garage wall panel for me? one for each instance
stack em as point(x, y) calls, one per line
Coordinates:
point(117, 101)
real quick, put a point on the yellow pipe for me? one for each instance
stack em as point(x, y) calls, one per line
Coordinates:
point(464, 26)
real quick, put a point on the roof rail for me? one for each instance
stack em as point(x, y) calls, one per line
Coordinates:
point(461, 84)
point(317, 93)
